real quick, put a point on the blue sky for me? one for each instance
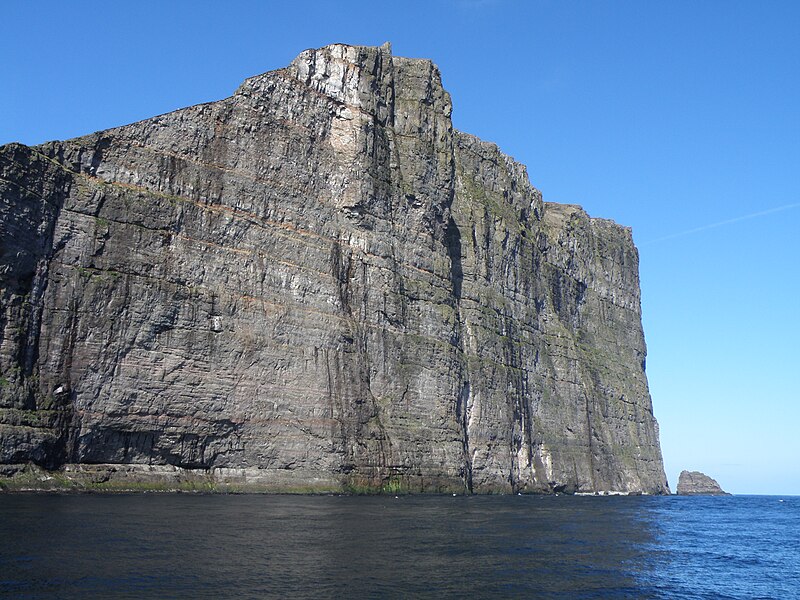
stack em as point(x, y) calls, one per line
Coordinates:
point(680, 119)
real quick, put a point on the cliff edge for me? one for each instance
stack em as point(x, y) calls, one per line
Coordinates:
point(314, 285)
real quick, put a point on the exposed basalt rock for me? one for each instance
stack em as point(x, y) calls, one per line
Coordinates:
point(318, 283)
point(695, 483)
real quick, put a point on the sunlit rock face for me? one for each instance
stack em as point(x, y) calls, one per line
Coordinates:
point(317, 284)
point(695, 483)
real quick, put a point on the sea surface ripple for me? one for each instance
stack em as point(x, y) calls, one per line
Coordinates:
point(216, 546)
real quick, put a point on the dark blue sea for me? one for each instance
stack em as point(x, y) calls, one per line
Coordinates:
point(215, 546)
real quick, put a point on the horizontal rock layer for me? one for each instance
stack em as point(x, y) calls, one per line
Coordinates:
point(320, 281)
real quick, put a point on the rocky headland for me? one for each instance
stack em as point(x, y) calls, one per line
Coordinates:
point(315, 285)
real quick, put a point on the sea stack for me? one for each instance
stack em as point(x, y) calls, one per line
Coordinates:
point(695, 483)
point(315, 285)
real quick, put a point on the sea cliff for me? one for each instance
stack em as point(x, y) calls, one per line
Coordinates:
point(315, 285)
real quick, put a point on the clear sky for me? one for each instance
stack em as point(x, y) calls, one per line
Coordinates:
point(680, 119)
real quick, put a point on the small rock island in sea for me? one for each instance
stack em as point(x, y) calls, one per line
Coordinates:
point(695, 483)
point(316, 285)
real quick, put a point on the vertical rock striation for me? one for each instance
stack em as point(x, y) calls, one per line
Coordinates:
point(316, 284)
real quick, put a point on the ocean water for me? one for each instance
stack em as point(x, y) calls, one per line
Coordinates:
point(215, 546)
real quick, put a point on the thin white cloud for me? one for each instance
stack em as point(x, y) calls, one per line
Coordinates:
point(722, 223)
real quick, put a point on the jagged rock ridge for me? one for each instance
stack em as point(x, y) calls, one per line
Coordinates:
point(316, 284)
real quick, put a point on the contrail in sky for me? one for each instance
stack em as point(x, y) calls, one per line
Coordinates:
point(721, 223)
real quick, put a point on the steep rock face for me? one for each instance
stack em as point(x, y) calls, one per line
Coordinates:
point(695, 483)
point(318, 284)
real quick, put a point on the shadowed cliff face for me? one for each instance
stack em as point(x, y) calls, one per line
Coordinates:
point(317, 284)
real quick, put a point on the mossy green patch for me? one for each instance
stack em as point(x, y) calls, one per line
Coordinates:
point(494, 204)
point(28, 418)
